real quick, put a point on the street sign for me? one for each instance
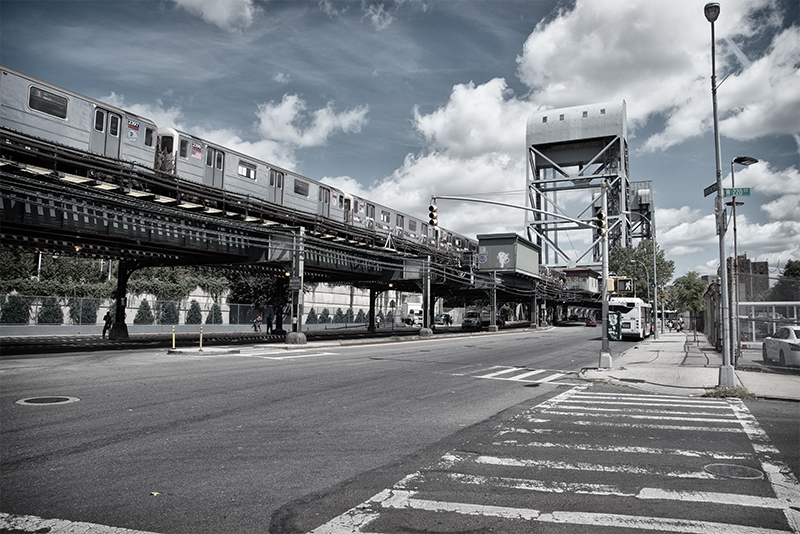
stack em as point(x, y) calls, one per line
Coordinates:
point(295, 283)
point(737, 191)
point(710, 189)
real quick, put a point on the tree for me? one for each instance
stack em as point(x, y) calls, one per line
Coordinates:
point(16, 310)
point(194, 315)
point(51, 312)
point(83, 310)
point(788, 286)
point(348, 316)
point(169, 313)
point(215, 315)
point(338, 317)
point(312, 317)
point(261, 291)
point(689, 293)
point(144, 315)
point(324, 317)
point(637, 263)
point(361, 317)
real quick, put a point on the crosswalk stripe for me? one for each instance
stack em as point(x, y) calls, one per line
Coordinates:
point(574, 410)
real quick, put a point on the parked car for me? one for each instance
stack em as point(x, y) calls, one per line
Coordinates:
point(591, 321)
point(783, 346)
point(442, 319)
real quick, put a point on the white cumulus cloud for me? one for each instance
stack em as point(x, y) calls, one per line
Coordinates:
point(229, 15)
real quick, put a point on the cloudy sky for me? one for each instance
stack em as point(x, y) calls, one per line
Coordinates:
point(397, 100)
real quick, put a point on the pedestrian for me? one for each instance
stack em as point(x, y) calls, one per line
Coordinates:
point(107, 322)
point(378, 321)
point(257, 324)
point(269, 323)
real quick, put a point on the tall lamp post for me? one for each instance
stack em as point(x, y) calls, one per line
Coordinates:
point(655, 272)
point(746, 161)
point(655, 306)
point(727, 378)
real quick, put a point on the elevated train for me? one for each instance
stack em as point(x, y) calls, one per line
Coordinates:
point(40, 109)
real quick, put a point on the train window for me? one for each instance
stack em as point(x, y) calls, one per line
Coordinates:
point(412, 225)
point(386, 216)
point(561, 117)
point(424, 229)
point(585, 114)
point(371, 211)
point(113, 126)
point(220, 161)
point(247, 170)
point(184, 149)
point(300, 187)
point(544, 120)
point(99, 120)
point(209, 156)
point(165, 143)
point(400, 221)
point(276, 179)
point(47, 102)
point(148, 136)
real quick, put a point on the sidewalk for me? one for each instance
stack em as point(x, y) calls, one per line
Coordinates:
point(675, 364)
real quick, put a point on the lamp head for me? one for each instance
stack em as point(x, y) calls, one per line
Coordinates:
point(745, 160)
point(712, 11)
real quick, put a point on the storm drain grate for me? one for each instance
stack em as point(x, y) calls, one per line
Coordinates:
point(46, 401)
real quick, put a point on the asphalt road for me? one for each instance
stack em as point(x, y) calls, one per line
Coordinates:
point(266, 440)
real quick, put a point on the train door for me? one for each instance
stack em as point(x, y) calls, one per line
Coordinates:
point(324, 206)
point(214, 173)
point(106, 132)
point(275, 189)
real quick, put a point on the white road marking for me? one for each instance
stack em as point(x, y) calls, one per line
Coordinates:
point(358, 518)
point(32, 523)
point(627, 450)
point(403, 495)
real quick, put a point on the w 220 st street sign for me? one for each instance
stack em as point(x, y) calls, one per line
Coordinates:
point(737, 192)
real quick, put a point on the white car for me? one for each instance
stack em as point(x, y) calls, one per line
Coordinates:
point(784, 346)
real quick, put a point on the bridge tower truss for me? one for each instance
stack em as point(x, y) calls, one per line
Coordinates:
point(571, 151)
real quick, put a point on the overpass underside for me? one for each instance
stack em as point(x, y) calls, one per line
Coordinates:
point(55, 199)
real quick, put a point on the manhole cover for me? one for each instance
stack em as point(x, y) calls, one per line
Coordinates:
point(734, 471)
point(46, 401)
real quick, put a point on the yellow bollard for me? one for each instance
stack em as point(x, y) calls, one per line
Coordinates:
point(173, 337)
point(201, 339)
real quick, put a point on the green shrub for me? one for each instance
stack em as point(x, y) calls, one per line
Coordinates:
point(215, 315)
point(16, 310)
point(169, 313)
point(144, 315)
point(312, 317)
point(50, 312)
point(194, 315)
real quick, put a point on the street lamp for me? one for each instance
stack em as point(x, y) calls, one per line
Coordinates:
point(655, 306)
point(727, 377)
point(746, 161)
point(655, 272)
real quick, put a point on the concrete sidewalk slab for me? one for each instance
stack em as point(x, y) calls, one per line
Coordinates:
point(680, 364)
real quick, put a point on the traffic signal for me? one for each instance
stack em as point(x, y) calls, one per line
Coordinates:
point(602, 223)
point(434, 215)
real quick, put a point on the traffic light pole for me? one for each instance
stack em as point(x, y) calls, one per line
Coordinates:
point(605, 353)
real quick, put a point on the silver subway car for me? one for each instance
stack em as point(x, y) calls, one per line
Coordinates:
point(35, 107)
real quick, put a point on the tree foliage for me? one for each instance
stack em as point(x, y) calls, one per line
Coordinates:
point(16, 310)
point(311, 318)
point(144, 315)
point(788, 286)
point(689, 293)
point(50, 312)
point(637, 263)
point(195, 314)
point(214, 315)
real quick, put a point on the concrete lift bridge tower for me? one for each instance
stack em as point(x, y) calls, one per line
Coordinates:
point(571, 151)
